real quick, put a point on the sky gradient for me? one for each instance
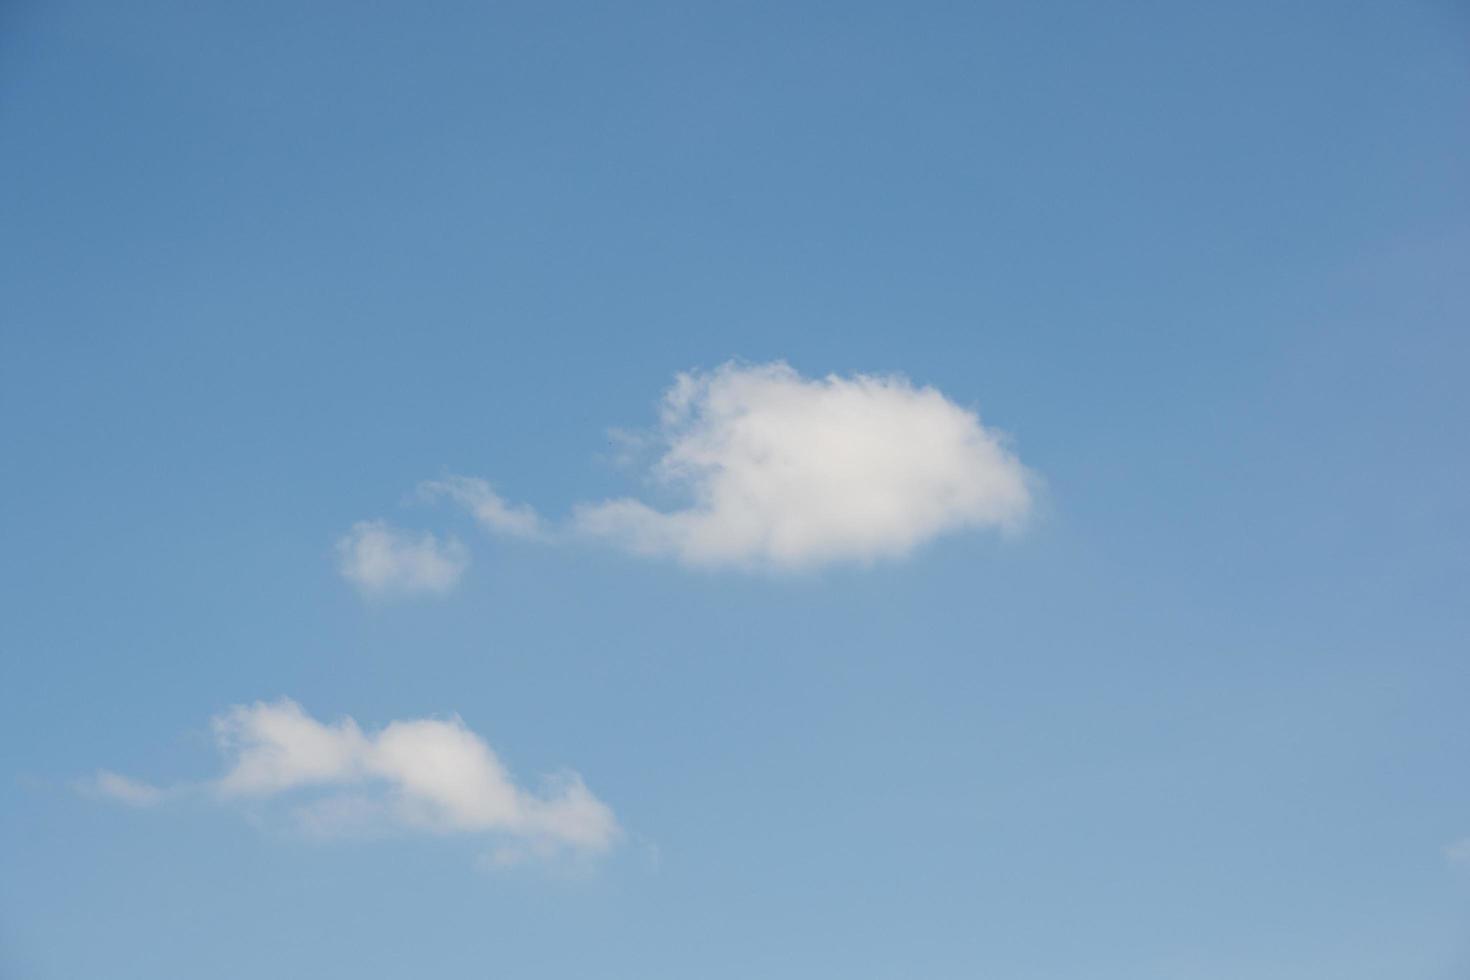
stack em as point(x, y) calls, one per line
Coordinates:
point(1109, 620)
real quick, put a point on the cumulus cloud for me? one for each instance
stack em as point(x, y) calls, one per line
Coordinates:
point(755, 467)
point(426, 774)
point(489, 509)
point(384, 561)
point(789, 472)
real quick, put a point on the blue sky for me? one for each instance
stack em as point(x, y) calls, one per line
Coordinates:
point(1102, 614)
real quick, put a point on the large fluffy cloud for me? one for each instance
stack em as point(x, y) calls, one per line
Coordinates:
point(788, 472)
point(424, 774)
point(765, 469)
point(384, 561)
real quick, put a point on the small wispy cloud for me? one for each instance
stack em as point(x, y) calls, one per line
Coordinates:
point(117, 787)
point(382, 561)
point(489, 509)
point(1458, 852)
point(425, 775)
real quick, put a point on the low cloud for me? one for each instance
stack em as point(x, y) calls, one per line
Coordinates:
point(488, 508)
point(425, 775)
point(382, 561)
point(787, 472)
point(761, 469)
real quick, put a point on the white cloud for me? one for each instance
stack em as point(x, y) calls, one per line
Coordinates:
point(382, 561)
point(489, 509)
point(767, 470)
point(1458, 852)
point(423, 774)
point(122, 789)
point(788, 472)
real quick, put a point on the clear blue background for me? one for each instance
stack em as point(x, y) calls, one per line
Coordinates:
point(265, 266)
